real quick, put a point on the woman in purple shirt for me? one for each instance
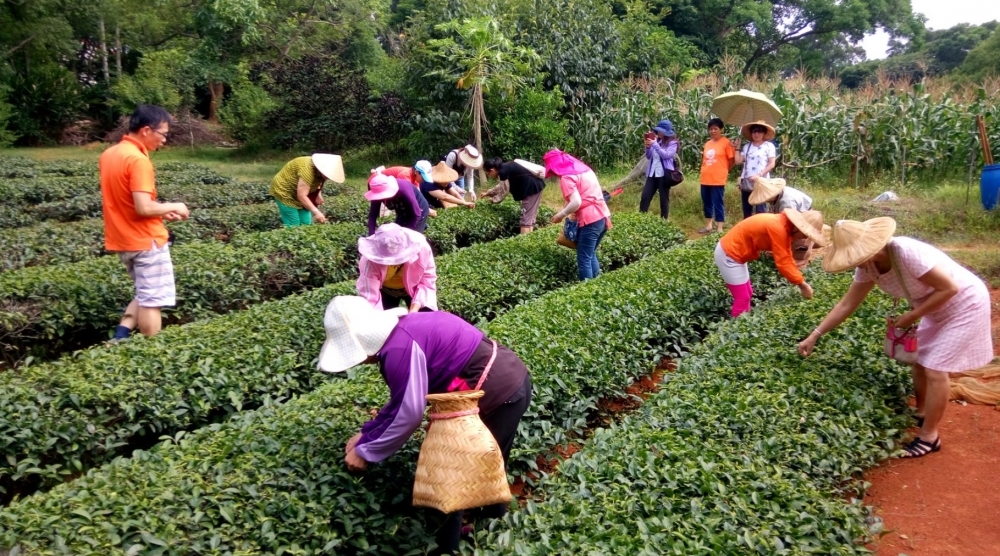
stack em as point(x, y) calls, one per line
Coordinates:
point(400, 196)
point(660, 152)
point(420, 354)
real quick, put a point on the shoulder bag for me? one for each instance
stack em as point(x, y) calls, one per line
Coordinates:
point(900, 343)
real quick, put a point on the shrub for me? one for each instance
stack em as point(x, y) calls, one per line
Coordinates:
point(528, 125)
point(746, 448)
point(105, 401)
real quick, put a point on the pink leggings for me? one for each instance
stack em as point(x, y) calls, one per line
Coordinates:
point(741, 298)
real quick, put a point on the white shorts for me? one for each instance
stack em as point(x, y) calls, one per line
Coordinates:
point(734, 273)
point(152, 272)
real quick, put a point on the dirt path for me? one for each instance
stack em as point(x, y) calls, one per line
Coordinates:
point(945, 504)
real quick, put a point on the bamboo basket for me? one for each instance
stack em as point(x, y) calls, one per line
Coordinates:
point(460, 464)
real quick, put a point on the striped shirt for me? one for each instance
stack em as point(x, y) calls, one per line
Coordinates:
point(284, 186)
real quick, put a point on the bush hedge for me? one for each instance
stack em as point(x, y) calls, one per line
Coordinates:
point(273, 481)
point(51, 243)
point(60, 418)
point(748, 448)
point(45, 310)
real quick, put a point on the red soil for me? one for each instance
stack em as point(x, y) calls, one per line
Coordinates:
point(947, 503)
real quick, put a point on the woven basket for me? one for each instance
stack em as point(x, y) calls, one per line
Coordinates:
point(460, 464)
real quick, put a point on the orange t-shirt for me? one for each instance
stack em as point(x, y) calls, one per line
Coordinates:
point(764, 232)
point(126, 168)
point(402, 173)
point(716, 160)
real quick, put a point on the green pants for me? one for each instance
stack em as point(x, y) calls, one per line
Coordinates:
point(292, 217)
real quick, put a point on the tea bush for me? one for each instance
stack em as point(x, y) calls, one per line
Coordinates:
point(60, 418)
point(747, 448)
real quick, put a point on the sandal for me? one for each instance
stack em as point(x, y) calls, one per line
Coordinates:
point(704, 231)
point(919, 447)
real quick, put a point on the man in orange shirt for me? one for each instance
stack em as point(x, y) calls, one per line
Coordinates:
point(133, 219)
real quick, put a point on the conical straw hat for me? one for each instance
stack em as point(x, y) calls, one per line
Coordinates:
point(765, 190)
point(809, 223)
point(443, 174)
point(330, 165)
point(460, 464)
point(855, 242)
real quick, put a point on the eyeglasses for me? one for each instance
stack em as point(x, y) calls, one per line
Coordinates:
point(164, 135)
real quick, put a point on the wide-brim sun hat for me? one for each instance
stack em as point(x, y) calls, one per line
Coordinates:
point(855, 242)
point(381, 187)
point(470, 157)
point(330, 165)
point(768, 130)
point(665, 127)
point(392, 244)
point(354, 332)
point(765, 190)
point(423, 167)
point(441, 173)
point(559, 163)
point(809, 223)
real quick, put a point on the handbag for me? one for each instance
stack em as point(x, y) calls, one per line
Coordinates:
point(567, 235)
point(675, 177)
point(746, 185)
point(900, 343)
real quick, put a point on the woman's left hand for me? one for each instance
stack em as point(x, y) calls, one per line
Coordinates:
point(905, 320)
point(557, 218)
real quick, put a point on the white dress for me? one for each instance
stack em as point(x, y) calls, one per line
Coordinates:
point(956, 337)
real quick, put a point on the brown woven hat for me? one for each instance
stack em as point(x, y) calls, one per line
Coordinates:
point(443, 174)
point(765, 190)
point(460, 464)
point(809, 223)
point(768, 130)
point(855, 242)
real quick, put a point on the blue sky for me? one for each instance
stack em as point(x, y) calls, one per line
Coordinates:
point(941, 14)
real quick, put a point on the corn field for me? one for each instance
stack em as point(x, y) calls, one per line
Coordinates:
point(902, 130)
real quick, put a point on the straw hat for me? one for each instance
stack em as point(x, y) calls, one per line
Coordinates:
point(381, 186)
point(330, 165)
point(809, 223)
point(443, 174)
point(470, 157)
point(765, 190)
point(855, 242)
point(392, 244)
point(768, 133)
point(354, 331)
point(423, 167)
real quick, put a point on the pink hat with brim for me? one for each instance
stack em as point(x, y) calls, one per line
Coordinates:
point(381, 186)
point(559, 163)
point(392, 244)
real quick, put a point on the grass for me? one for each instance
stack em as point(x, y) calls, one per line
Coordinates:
point(935, 212)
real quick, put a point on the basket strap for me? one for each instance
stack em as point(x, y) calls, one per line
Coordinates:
point(453, 414)
point(486, 371)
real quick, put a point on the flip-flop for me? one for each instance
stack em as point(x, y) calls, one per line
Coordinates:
point(704, 231)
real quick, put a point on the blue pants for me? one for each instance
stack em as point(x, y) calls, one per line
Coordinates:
point(748, 209)
point(587, 239)
point(713, 202)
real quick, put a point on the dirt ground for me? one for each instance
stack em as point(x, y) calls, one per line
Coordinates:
point(947, 503)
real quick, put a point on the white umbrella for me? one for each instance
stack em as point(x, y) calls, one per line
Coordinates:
point(744, 107)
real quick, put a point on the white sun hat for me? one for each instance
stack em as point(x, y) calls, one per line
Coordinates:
point(354, 331)
point(470, 157)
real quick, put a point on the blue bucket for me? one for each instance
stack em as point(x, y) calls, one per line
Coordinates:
point(989, 186)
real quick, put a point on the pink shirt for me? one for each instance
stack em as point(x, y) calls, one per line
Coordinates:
point(419, 279)
point(592, 205)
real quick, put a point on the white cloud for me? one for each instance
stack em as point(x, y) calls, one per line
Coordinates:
point(940, 14)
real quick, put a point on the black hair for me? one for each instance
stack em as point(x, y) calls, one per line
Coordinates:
point(148, 115)
point(716, 122)
point(492, 163)
point(757, 127)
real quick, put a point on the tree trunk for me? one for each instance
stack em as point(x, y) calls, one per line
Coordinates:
point(118, 52)
point(104, 52)
point(478, 121)
point(216, 89)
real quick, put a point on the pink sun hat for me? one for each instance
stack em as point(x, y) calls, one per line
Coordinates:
point(559, 163)
point(392, 244)
point(381, 186)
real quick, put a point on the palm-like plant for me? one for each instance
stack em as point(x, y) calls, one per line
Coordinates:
point(479, 57)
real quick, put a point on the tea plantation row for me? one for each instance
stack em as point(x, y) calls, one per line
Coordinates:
point(60, 418)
